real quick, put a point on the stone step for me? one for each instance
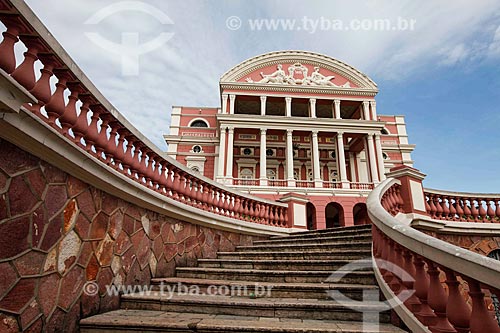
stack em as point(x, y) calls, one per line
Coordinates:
point(317, 240)
point(346, 233)
point(255, 275)
point(294, 308)
point(299, 265)
point(121, 321)
point(340, 230)
point(312, 247)
point(259, 289)
point(296, 255)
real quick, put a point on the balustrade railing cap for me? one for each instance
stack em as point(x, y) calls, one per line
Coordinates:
point(467, 195)
point(404, 170)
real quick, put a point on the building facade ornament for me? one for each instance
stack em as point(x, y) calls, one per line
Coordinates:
point(298, 75)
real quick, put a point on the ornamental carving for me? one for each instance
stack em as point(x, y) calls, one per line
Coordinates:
point(298, 75)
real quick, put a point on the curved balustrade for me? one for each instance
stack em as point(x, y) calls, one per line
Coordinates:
point(452, 285)
point(462, 207)
point(108, 137)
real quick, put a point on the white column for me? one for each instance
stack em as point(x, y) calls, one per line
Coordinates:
point(230, 149)
point(263, 105)
point(289, 158)
point(232, 98)
point(315, 160)
point(336, 105)
point(222, 153)
point(224, 103)
point(352, 166)
point(341, 160)
point(288, 101)
point(312, 103)
point(263, 158)
point(372, 159)
point(380, 157)
point(366, 110)
point(373, 106)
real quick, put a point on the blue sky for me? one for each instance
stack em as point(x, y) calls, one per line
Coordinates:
point(443, 76)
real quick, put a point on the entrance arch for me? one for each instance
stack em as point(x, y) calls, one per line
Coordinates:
point(360, 214)
point(311, 216)
point(334, 214)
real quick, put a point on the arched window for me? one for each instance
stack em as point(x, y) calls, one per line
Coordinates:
point(195, 169)
point(271, 174)
point(199, 123)
point(246, 173)
point(385, 131)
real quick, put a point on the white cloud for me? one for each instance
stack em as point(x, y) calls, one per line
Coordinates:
point(186, 70)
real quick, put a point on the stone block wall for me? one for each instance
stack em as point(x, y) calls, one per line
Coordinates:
point(57, 234)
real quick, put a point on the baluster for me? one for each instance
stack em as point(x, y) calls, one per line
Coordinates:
point(427, 206)
point(433, 209)
point(459, 203)
point(412, 303)
point(56, 105)
point(446, 203)
point(82, 126)
point(424, 313)
point(490, 212)
point(481, 320)
point(262, 214)
point(175, 183)
point(453, 210)
point(437, 300)
point(7, 55)
point(227, 199)
point(457, 310)
point(271, 215)
point(474, 210)
point(25, 72)
point(482, 210)
point(127, 161)
point(41, 90)
point(439, 209)
point(103, 143)
point(69, 116)
point(467, 209)
point(267, 214)
point(237, 205)
point(206, 197)
point(119, 153)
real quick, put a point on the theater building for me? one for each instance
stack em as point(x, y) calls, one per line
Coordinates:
point(294, 122)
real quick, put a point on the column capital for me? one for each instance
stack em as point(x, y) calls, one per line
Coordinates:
point(314, 132)
point(336, 101)
point(232, 97)
point(288, 99)
point(230, 129)
point(289, 132)
point(263, 98)
point(340, 133)
point(225, 96)
point(373, 103)
point(312, 100)
point(366, 103)
point(263, 131)
point(377, 136)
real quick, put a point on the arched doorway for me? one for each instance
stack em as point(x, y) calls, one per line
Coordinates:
point(334, 214)
point(311, 216)
point(360, 214)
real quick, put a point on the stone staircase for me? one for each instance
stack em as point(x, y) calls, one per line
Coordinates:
point(279, 285)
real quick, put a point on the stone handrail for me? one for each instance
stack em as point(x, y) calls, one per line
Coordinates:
point(109, 137)
point(399, 249)
point(462, 206)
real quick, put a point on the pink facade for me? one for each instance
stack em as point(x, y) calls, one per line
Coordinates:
point(294, 122)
